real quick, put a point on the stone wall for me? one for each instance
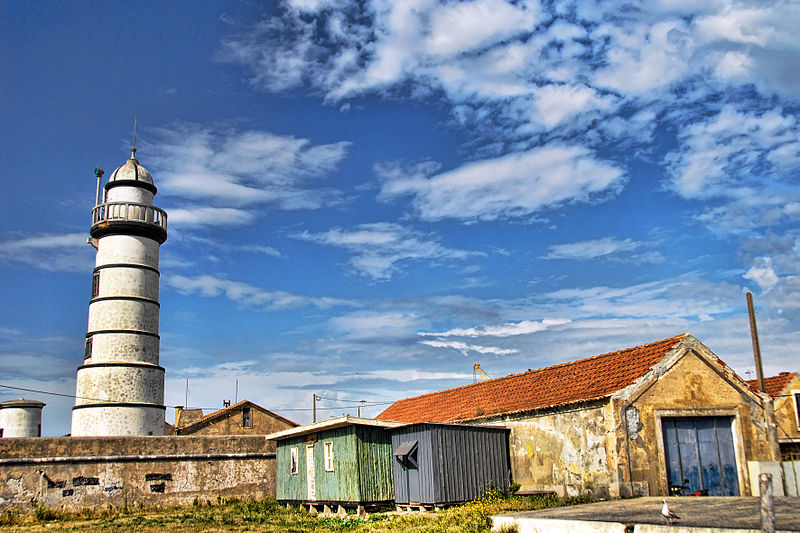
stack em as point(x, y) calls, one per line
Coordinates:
point(786, 416)
point(561, 451)
point(64, 472)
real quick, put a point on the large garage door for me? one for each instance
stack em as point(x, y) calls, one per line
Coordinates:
point(699, 454)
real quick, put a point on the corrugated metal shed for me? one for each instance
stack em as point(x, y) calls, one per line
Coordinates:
point(436, 464)
point(344, 461)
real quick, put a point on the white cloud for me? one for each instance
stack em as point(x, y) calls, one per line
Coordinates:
point(509, 186)
point(209, 216)
point(245, 294)
point(587, 250)
point(734, 152)
point(556, 103)
point(465, 349)
point(378, 248)
point(645, 57)
point(376, 325)
point(762, 273)
point(509, 329)
point(66, 252)
point(234, 168)
point(664, 299)
point(460, 27)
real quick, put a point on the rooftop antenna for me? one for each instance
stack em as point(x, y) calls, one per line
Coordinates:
point(133, 148)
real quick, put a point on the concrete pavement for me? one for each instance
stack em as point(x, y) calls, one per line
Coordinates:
point(641, 515)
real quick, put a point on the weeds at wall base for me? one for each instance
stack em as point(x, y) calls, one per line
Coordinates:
point(270, 516)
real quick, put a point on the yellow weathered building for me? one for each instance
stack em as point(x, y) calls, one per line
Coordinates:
point(632, 422)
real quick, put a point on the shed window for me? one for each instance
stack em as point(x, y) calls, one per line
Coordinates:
point(329, 457)
point(293, 460)
point(247, 419)
point(406, 453)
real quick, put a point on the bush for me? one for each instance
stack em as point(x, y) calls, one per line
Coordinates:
point(9, 517)
point(44, 514)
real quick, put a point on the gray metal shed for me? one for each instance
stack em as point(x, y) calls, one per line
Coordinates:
point(437, 464)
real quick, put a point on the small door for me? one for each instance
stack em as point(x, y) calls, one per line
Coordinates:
point(311, 483)
point(700, 455)
point(406, 455)
point(413, 484)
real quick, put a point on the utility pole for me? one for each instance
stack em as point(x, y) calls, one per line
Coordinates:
point(359, 407)
point(754, 335)
point(314, 409)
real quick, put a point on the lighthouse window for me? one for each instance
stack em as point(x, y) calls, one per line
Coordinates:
point(247, 420)
point(95, 284)
point(87, 351)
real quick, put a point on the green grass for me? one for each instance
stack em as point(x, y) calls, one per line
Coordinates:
point(269, 516)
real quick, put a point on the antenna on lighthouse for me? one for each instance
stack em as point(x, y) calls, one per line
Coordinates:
point(133, 147)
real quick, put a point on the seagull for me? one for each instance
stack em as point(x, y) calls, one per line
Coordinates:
point(668, 514)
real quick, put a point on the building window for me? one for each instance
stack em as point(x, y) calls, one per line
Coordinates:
point(87, 349)
point(247, 420)
point(796, 394)
point(329, 457)
point(293, 460)
point(95, 284)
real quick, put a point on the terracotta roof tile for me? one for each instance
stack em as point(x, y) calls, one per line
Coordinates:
point(774, 385)
point(587, 379)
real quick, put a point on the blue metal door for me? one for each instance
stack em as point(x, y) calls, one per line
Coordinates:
point(699, 454)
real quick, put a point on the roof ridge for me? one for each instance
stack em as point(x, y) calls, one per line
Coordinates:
point(676, 338)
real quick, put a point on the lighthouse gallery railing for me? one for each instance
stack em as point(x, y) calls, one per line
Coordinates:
point(129, 212)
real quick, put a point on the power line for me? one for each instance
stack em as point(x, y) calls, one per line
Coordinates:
point(73, 396)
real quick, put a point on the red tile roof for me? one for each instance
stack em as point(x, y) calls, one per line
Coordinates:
point(587, 379)
point(774, 385)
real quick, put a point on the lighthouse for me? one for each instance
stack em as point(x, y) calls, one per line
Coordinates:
point(120, 389)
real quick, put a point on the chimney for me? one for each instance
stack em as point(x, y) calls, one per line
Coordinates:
point(178, 411)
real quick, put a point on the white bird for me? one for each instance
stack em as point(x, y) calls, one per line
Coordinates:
point(667, 512)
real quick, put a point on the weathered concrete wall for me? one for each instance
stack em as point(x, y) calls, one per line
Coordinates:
point(785, 413)
point(691, 387)
point(87, 471)
point(562, 451)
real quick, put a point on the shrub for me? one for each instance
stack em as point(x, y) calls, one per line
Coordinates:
point(43, 513)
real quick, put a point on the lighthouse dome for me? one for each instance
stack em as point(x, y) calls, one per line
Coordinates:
point(131, 171)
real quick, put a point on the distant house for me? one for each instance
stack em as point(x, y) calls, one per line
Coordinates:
point(243, 418)
point(785, 392)
point(631, 422)
point(438, 464)
point(345, 461)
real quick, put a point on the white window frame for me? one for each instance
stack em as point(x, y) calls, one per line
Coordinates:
point(293, 464)
point(328, 449)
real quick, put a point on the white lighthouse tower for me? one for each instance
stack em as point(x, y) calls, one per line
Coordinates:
point(120, 387)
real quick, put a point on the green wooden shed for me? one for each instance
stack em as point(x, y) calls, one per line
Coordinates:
point(344, 461)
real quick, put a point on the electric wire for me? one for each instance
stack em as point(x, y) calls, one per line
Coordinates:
point(37, 391)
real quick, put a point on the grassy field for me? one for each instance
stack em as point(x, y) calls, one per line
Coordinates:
point(269, 516)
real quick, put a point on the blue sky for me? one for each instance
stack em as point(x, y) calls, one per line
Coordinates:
point(366, 198)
